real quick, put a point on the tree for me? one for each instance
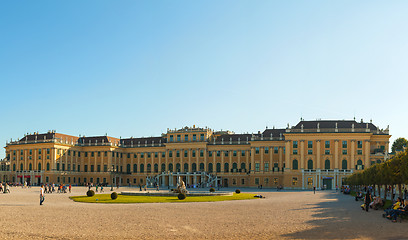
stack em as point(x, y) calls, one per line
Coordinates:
point(399, 144)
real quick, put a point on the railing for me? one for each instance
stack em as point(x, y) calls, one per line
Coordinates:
point(332, 130)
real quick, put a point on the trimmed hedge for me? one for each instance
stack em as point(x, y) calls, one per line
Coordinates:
point(212, 190)
point(181, 196)
point(114, 195)
point(237, 191)
point(90, 193)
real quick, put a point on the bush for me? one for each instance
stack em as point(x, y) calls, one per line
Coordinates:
point(114, 195)
point(237, 191)
point(90, 193)
point(181, 196)
point(212, 190)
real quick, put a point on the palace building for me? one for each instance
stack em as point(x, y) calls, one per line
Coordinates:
point(313, 153)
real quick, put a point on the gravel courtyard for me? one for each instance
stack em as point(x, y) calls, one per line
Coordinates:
point(284, 214)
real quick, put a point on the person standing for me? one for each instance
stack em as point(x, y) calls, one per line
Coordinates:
point(314, 189)
point(69, 188)
point(42, 194)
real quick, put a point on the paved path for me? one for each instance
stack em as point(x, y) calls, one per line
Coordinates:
point(284, 214)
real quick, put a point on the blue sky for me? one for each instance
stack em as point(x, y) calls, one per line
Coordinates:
point(136, 68)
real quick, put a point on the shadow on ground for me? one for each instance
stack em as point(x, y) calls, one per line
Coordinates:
point(340, 217)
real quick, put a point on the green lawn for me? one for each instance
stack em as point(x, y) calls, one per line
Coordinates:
point(105, 198)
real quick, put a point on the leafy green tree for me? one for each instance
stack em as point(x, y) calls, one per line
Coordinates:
point(399, 144)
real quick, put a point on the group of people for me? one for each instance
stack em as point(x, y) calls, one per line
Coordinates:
point(399, 208)
point(97, 186)
point(374, 202)
point(4, 188)
point(61, 188)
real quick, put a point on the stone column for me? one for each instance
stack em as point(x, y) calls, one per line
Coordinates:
point(252, 160)
point(287, 155)
point(318, 148)
point(367, 154)
point(262, 152)
point(336, 154)
point(302, 155)
point(280, 151)
point(353, 165)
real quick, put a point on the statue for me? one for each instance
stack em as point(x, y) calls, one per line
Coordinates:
point(181, 187)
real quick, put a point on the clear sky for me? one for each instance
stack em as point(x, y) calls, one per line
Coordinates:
point(136, 68)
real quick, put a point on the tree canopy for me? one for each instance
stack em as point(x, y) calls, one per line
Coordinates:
point(398, 144)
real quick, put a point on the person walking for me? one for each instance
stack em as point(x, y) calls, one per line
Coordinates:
point(367, 200)
point(314, 189)
point(42, 194)
point(69, 188)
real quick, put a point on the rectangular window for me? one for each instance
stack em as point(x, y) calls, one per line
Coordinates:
point(266, 167)
point(48, 151)
point(256, 167)
point(106, 153)
point(98, 168)
point(310, 152)
point(295, 152)
point(275, 150)
point(105, 168)
point(178, 138)
point(58, 166)
point(360, 152)
point(170, 154)
point(310, 144)
point(202, 137)
point(218, 153)
point(163, 154)
point(275, 181)
point(141, 155)
point(149, 155)
point(85, 168)
point(344, 144)
point(79, 168)
point(344, 152)
point(99, 154)
point(171, 138)
point(210, 153)
point(178, 153)
point(86, 154)
point(226, 153)
point(186, 153)
point(31, 152)
point(257, 181)
point(294, 181)
point(186, 138)
point(128, 155)
point(266, 150)
point(359, 144)
point(257, 150)
point(39, 152)
point(327, 152)
point(92, 168)
point(295, 144)
point(327, 144)
point(234, 153)
point(266, 180)
point(310, 181)
point(201, 153)
point(243, 153)
point(194, 137)
point(156, 154)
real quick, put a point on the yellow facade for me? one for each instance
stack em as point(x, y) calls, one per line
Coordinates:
point(312, 153)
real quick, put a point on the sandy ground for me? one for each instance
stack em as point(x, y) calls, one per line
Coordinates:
point(284, 214)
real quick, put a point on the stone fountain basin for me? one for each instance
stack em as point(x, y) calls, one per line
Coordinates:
point(171, 194)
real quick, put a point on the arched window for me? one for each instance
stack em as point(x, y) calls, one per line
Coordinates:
point(163, 167)
point(327, 164)
point(128, 168)
point(142, 168)
point(218, 167)
point(171, 167)
point(295, 164)
point(178, 167)
point(14, 167)
point(344, 164)
point(156, 168)
point(185, 167)
point(134, 168)
point(30, 166)
point(310, 164)
point(194, 167)
point(149, 168)
point(234, 166)
point(39, 166)
point(48, 166)
point(226, 167)
point(210, 167)
point(359, 165)
point(243, 167)
point(201, 167)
